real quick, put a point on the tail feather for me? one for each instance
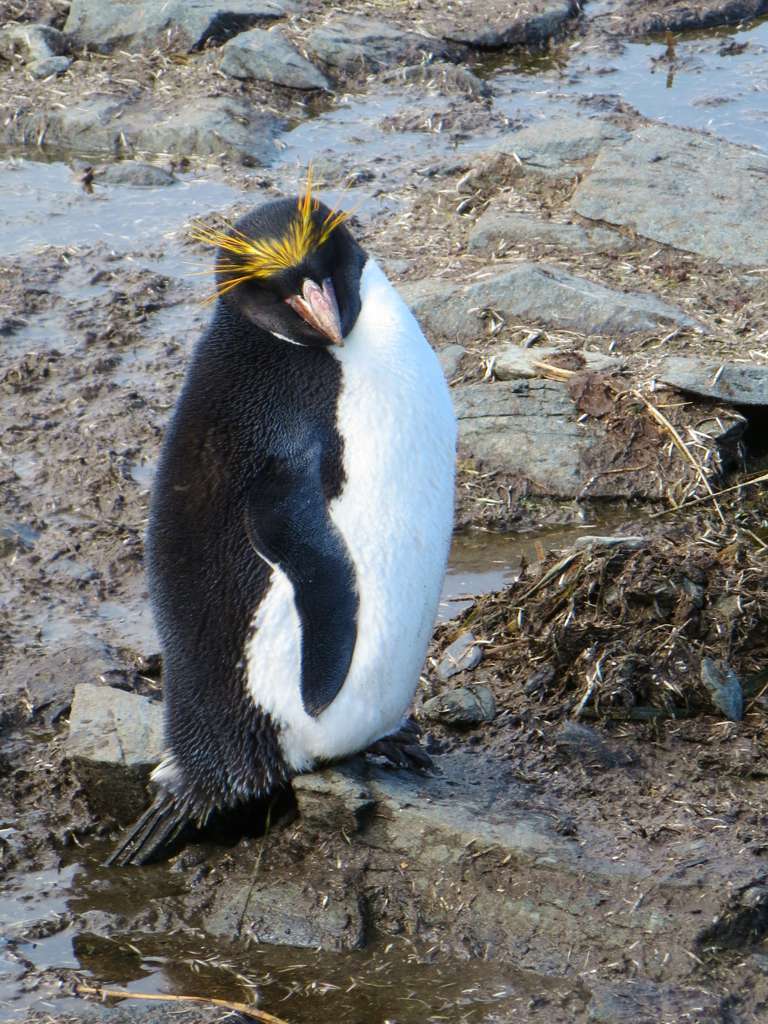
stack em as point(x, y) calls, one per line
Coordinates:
point(154, 832)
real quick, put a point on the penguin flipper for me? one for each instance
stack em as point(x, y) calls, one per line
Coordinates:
point(152, 835)
point(289, 527)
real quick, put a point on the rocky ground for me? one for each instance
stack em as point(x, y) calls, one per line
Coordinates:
point(592, 846)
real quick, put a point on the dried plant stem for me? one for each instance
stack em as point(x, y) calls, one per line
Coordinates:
point(680, 444)
point(114, 993)
point(763, 478)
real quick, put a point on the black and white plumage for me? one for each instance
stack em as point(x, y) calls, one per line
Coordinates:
point(300, 520)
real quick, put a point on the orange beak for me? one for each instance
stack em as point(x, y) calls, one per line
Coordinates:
point(318, 307)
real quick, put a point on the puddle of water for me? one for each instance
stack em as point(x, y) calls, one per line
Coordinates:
point(718, 80)
point(45, 204)
point(480, 562)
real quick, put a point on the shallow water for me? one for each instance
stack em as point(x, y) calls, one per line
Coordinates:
point(717, 81)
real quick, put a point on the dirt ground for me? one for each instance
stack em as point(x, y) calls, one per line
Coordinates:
point(594, 658)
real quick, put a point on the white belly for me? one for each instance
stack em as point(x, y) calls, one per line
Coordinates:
point(395, 514)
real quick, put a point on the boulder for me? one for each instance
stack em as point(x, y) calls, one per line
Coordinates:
point(537, 293)
point(498, 23)
point(269, 57)
point(352, 43)
point(103, 125)
point(180, 25)
point(525, 428)
point(690, 191)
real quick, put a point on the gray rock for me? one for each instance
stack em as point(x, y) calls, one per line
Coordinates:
point(537, 292)
point(465, 706)
point(495, 231)
point(557, 142)
point(287, 913)
point(504, 24)
point(690, 191)
point(112, 727)
point(645, 1002)
point(49, 66)
point(215, 127)
point(333, 801)
point(104, 125)
point(724, 687)
point(450, 357)
point(461, 656)
point(115, 738)
point(31, 43)
point(512, 362)
point(737, 383)
point(526, 428)
point(269, 57)
point(174, 24)
point(352, 43)
point(131, 172)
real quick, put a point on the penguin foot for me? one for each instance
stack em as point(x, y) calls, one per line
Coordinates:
point(403, 749)
point(153, 834)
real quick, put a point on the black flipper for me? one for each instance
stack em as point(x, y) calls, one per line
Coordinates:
point(289, 526)
point(154, 833)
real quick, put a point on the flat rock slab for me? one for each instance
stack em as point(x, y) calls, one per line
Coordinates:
point(690, 191)
point(557, 142)
point(527, 429)
point(498, 23)
point(496, 231)
point(736, 383)
point(537, 293)
point(179, 25)
point(352, 43)
point(101, 125)
point(269, 57)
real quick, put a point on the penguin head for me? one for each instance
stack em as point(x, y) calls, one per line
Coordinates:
point(292, 268)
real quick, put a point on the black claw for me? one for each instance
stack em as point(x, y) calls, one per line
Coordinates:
point(402, 748)
point(152, 835)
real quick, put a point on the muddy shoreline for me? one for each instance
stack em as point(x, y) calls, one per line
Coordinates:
point(590, 266)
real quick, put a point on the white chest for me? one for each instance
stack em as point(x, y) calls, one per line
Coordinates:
point(395, 514)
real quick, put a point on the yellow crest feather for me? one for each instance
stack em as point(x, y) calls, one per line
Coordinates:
point(263, 257)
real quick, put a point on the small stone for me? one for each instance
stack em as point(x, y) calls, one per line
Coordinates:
point(724, 687)
point(464, 706)
point(31, 43)
point(269, 57)
point(461, 656)
point(49, 66)
point(513, 362)
point(450, 357)
point(131, 172)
